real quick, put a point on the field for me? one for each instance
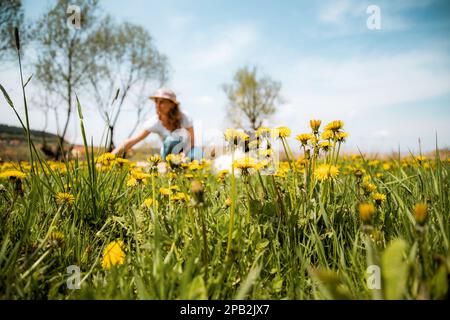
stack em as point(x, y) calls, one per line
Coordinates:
point(319, 226)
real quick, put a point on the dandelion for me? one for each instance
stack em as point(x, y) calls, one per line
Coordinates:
point(281, 132)
point(148, 203)
point(122, 162)
point(341, 136)
point(235, 137)
point(132, 182)
point(420, 213)
point(227, 203)
point(327, 135)
point(315, 125)
point(335, 125)
point(113, 254)
point(63, 198)
point(198, 191)
point(154, 160)
point(378, 198)
point(56, 238)
point(13, 175)
point(174, 160)
point(366, 211)
point(368, 187)
point(325, 145)
point(263, 132)
point(245, 164)
point(304, 138)
point(181, 197)
point(194, 165)
point(326, 172)
point(165, 191)
point(106, 159)
point(222, 174)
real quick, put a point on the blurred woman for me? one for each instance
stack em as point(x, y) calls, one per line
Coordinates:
point(173, 126)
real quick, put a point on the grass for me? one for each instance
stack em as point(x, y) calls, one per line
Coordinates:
point(297, 233)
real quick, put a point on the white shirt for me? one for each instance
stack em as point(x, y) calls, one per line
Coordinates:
point(154, 125)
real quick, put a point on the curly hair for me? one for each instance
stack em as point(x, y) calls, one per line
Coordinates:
point(171, 120)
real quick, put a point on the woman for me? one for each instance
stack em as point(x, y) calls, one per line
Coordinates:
point(173, 126)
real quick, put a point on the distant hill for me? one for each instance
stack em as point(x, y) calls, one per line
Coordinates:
point(17, 133)
point(14, 144)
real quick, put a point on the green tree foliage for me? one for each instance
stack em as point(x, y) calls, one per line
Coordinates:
point(251, 98)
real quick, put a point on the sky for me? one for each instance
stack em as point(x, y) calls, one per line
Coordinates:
point(390, 86)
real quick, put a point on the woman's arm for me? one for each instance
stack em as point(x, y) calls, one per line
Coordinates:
point(127, 144)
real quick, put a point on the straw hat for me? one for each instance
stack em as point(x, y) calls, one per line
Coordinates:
point(165, 94)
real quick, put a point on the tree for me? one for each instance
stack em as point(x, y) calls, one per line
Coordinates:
point(251, 99)
point(127, 66)
point(64, 57)
point(11, 15)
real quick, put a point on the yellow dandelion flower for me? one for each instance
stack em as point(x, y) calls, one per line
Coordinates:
point(132, 182)
point(325, 145)
point(148, 203)
point(122, 162)
point(180, 197)
point(194, 165)
point(223, 173)
point(56, 238)
point(139, 176)
point(304, 138)
point(63, 198)
point(235, 137)
point(420, 213)
point(341, 136)
point(245, 164)
point(165, 191)
point(315, 125)
point(378, 197)
point(154, 160)
point(327, 135)
point(335, 125)
point(263, 132)
point(326, 172)
point(106, 159)
point(113, 254)
point(13, 175)
point(368, 187)
point(366, 211)
point(281, 132)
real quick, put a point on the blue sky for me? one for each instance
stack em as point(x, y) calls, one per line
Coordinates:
point(390, 86)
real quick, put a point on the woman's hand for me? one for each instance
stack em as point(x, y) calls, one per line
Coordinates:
point(127, 144)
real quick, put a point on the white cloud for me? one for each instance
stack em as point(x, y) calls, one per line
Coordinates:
point(227, 45)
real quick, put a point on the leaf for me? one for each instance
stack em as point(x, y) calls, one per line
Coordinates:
point(245, 287)
point(439, 283)
point(394, 270)
point(197, 289)
point(331, 284)
point(29, 78)
point(261, 245)
point(7, 98)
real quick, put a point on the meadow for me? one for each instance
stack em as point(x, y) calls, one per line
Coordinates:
point(318, 226)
